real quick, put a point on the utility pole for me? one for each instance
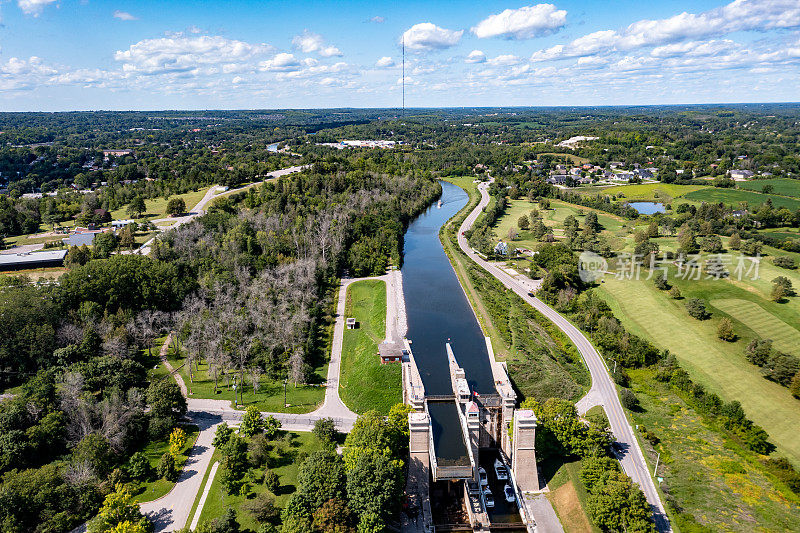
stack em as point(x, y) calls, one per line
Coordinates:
point(285, 381)
point(656, 468)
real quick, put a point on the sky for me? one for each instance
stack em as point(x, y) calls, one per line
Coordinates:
point(58, 55)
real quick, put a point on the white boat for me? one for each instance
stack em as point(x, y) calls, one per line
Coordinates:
point(439, 205)
point(500, 470)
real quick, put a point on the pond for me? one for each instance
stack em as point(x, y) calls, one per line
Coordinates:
point(647, 208)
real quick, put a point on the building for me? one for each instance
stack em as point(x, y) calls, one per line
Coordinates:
point(351, 323)
point(741, 175)
point(390, 352)
point(50, 258)
point(80, 239)
point(501, 248)
point(557, 179)
point(644, 173)
point(116, 224)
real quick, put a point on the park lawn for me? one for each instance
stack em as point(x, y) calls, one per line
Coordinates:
point(720, 484)
point(284, 461)
point(656, 192)
point(780, 186)
point(720, 366)
point(153, 490)
point(157, 207)
point(734, 197)
point(268, 397)
point(569, 497)
point(766, 325)
point(364, 382)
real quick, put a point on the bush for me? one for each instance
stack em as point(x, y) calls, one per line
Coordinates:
point(785, 262)
point(661, 283)
point(258, 450)
point(262, 507)
point(697, 308)
point(271, 481)
point(628, 400)
point(167, 468)
point(252, 422)
point(725, 330)
point(325, 430)
point(139, 468)
point(674, 293)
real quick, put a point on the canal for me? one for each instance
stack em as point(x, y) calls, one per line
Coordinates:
point(438, 312)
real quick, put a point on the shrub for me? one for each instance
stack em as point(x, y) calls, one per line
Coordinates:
point(697, 308)
point(271, 481)
point(167, 468)
point(258, 450)
point(523, 222)
point(252, 422)
point(785, 262)
point(757, 351)
point(735, 242)
point(177, 440)
point(725, 330)
point(139, 468)
point(674, 293)
point(628, 399)
point(661, 283)
point(325, 430)
point(262, 507)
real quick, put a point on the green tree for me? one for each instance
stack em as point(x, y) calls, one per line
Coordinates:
point(77, 256)
point(138, 467)
point(105, 243)
point(735, 242)
point(118, 508)
point(322, 477)
point(758, 351)
point(297, 516)
point(696, 308)
point(325, 430)
point(334, 517)
point(371, 523)
point(233, 464)
point(794, 386)
point(778, 293)
point(252, 422)
point(675, 293)
point(137, 207)
point(222, 435)
point(375, 484)
point(167, 469)
point(617, 504)
point(127, 239)
point(522, 223)
point(538, 230)
point(176, 206)
point(262, 507)
point(95, 450)
point(786, 283)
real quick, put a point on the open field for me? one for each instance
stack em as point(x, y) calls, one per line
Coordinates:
point(718, 365)
point(780, 186)
point(574, 159)
point(734, 197)
point(36, 274)
point(767, 326)
point(659, 192)
point(157, 207)
point(153, 490)
point(284, 461)
point(365, 383)
point(723, 486)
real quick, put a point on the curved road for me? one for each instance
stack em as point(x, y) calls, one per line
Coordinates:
point(603, 391)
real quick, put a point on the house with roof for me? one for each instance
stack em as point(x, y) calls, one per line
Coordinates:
point(501, 248)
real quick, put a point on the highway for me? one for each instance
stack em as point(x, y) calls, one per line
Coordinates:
point(603, 390)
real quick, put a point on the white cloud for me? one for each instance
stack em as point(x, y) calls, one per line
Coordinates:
point(310, 42)
point(739, 15)
point(524, 23)
point(504, 60)
point(237, 79)
point(124, 15)
point(476, 56)
point(180, 53)
point(33, 7)
point(694, 48)
point(429, 36)
point(377, 19)
point(281, 62)
point(384, 62)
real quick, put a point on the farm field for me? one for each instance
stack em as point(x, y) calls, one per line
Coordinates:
point(780, 186)
point(734, 197)
point(365, 383)
point(718, 365)
point(664, 192)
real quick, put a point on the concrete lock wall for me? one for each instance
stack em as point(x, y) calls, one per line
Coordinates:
point(524, 453)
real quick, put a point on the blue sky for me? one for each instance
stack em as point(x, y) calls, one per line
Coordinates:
point(92, 54)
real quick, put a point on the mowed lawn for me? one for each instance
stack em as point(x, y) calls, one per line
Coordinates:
point(364, 382)
point(718, 365)
point(285, 459)
point(153, 490)
point(157, 207)
point(734, 197)
point(766, 325)
point(781, 186)
point(652, 191)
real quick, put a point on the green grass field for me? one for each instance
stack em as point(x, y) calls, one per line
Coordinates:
point(712, 478)
point(766, 325)
point(663, 192)
point(718, 365)
point(153, 490)
point(569, 498)
point(780, 186)
point(734, 197)
point(365, 383)
point(157, 207)
point(285, 459)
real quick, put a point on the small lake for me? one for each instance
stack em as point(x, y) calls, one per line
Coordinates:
point(647, 208)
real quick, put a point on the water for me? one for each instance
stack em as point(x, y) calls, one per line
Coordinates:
point(438, 311)
point(647, 208)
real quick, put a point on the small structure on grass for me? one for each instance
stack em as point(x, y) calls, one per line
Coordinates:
point(351, 323)
point(390, 352)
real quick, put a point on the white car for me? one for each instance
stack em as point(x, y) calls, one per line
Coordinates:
point(488, 499)
point(509, 492)
point(500, 470)
point(482, 477)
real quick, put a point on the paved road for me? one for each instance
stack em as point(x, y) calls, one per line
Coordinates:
point(603, 391)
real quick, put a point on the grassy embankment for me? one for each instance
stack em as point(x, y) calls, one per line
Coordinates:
point(285, 457)
point(542, 361)
point(157, 207)
point(365, 383)
point(153, 490)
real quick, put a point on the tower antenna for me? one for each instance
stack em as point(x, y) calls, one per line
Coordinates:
point(404, 74)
